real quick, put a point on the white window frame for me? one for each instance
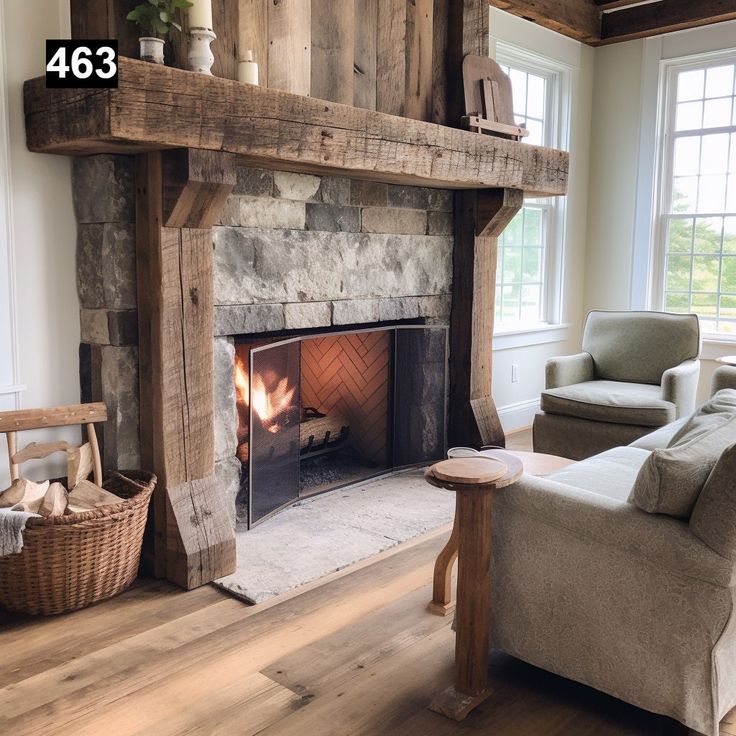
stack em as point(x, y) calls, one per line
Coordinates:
point(666, 113)
point(9, 391)
point(558, 115)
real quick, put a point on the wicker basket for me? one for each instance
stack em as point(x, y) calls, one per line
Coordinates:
point(69, 562)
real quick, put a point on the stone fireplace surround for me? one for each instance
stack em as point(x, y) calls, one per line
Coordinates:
point(292, 252)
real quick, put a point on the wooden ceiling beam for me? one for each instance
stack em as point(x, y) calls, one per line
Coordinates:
point(578, 19)
point(653, 19)
point(616, 4)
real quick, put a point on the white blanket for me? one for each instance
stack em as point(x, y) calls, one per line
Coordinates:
point(12, 524)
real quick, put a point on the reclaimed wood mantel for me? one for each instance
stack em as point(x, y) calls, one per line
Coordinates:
point(157, 107)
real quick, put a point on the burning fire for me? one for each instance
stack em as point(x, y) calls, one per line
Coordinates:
point(267, 403)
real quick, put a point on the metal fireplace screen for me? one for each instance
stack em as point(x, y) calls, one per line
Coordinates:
point(330, 409)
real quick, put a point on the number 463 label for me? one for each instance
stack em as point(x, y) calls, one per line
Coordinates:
point(81, 63)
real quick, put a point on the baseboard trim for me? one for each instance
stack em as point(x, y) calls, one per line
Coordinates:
point(518, 416)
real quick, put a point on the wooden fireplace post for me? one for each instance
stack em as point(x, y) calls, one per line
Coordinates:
point(179, 195)
point(480, 218)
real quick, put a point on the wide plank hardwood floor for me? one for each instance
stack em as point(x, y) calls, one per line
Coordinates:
point(358, 655)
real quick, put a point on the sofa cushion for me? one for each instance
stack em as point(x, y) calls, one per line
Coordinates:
point(719, 409)
point(611, 474)
point(610, 401)
point(714, 517)
point(660, 437)
point(671, 479)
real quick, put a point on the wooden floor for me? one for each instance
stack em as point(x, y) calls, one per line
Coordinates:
point(356, 656)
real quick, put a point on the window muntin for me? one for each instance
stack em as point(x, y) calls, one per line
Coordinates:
point(523, 256)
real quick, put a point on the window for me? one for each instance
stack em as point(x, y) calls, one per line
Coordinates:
point(530, 249)
point(697, 216)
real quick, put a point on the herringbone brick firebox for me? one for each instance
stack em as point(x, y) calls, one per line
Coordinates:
point(320, 411)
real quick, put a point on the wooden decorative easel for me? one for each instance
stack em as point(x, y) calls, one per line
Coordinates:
point(489, 99)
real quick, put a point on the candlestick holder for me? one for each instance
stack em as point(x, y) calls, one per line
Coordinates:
point(201, 57)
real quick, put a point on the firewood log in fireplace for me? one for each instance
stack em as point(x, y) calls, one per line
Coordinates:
point(316, 432)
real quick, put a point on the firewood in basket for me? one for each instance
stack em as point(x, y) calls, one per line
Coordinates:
point(54, 502)
point(87, 496)
point(79, 464)
point(23, 491)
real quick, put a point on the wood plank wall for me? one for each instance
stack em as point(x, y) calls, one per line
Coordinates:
point(388, 56)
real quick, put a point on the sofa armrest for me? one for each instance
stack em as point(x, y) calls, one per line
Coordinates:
point(568, 369)
point(680, 386)
point(661, 541)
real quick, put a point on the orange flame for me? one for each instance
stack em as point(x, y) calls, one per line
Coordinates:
point(267, 404)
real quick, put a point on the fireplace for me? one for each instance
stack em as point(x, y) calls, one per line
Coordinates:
point(320, 411)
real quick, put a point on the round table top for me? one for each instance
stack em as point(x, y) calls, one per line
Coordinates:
point(727, 359)
point(537, 463)
point(514, 471)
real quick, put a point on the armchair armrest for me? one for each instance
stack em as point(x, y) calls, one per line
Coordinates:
point(680, 386)
point(569, 369)
point(661, 541)
point(724, 377)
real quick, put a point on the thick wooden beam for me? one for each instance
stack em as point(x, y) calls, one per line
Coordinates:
point(159, 107)
point(480, 217)
point(175, 313)
point(253, 34)
point(578, 19)
point(653, 19)
point(333, 29)
point(467, 33)
point(289, 50)
point(364, 53)
point(613, 4)
point(105, 19)
point(196, 186)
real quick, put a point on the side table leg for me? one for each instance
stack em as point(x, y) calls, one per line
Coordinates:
point(442, 603)
point(473, 621)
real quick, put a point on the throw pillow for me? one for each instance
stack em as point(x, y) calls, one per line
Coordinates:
point(714, 413)
point(671, 479)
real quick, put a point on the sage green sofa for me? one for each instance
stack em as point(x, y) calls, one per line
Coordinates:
point(637, 371)
point(637, 603)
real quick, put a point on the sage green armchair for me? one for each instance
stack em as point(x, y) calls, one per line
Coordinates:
point(638, 371)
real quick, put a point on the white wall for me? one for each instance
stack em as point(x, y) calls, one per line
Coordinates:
point(622, 168)
point(517, 402)
point(43, 229)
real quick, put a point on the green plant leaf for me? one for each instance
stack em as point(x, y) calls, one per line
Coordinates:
point(164, 16)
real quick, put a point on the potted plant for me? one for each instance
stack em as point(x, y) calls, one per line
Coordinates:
point(156, 18)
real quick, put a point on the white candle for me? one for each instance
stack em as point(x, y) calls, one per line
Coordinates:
point(248, 69)
point(200, 14)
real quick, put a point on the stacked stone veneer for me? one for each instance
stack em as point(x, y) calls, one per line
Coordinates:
point(291, 252)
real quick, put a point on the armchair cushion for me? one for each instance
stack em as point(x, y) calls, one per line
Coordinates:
point(610, 401)
point(714, 516)
point(671, 480)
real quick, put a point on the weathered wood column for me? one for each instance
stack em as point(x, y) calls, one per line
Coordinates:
point(480, 218)
point(179, 196)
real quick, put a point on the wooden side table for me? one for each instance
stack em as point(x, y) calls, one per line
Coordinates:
point(442, 603)
point(473, 536)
